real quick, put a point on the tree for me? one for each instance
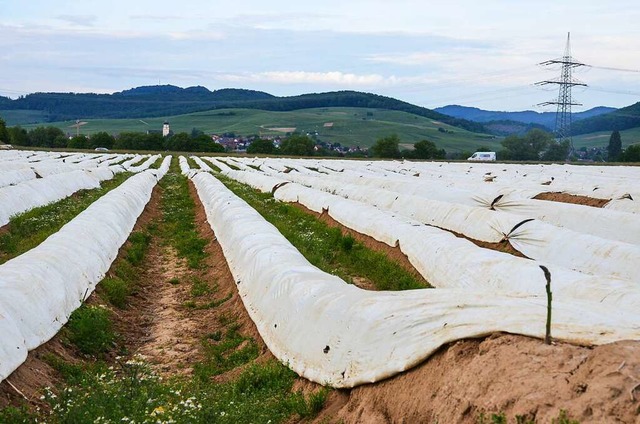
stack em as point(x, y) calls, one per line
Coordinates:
point(44, 136)
point(261, 146)
point(101, 139)
point(78, 142)
point(181, 142)
point(18, 136)
point(556, 151)
point(631, 153)
point(426, 149)
point(60, 141)
point(4, 134)
point(297, 145)
point(204, 143)
point(615, 146)
point(528, 147)
point(386, 147)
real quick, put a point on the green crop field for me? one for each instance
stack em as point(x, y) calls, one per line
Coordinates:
point(22, 117)
point(601, 139)
point(347, 126)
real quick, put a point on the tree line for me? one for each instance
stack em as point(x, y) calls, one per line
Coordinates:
point(55, 138)
point(536, 145)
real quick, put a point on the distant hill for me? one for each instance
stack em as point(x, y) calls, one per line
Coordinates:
point(504, 127)
point(546, 119)
point(355, 126)
point(169, 100)
point(621, 119)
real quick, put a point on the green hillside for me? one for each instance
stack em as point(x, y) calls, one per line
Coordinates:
point(351, 126)
point(601, 138)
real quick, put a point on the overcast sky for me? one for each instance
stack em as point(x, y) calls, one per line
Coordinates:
point(427, 52)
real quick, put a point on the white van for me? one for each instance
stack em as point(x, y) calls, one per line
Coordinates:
point(483, 156)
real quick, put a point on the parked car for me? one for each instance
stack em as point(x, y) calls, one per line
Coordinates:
point(483, 156)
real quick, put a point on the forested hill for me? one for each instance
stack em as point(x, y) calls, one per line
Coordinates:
point(547, 119)
point(621, 119)
point(168, 100)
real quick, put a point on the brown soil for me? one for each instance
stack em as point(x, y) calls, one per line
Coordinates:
point(502, 373)
point(571, 198)
point(503, 246)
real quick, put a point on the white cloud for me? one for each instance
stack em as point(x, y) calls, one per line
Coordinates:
point(408, 59)
point(304, 77)
point(195, 35)
point(79, 20)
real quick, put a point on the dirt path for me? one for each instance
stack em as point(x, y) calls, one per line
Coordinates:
point(172, 322)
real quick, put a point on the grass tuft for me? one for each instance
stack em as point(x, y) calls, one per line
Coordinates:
point(91, 330)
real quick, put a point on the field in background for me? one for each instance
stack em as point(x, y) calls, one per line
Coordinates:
point(350, 126)
point(601, 139)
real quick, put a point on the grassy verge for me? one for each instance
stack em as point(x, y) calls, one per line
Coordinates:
point(326, 247)
point(27, 230)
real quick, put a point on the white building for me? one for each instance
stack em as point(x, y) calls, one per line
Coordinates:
point(165, 129)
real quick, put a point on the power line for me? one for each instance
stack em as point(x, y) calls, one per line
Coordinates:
point(564, 100)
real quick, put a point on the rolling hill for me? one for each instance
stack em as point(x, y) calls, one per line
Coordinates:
point(169, 100)
point(347, 126)
point(621, 119)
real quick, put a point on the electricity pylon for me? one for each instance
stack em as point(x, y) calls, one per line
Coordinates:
point(564, 100)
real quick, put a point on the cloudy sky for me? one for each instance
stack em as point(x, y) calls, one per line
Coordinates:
point(427, 52)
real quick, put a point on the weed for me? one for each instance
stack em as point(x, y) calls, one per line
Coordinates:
point(230, 351)
point(115, 291)
point(199, 288)
point(174, 281)
point(15, 415)
point(138, 244)
point(563, 418)
point(90, 329)
point(71, 373)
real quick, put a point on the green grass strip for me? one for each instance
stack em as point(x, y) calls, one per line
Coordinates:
point(29, 229)
point(178, 215)
point(324, 246)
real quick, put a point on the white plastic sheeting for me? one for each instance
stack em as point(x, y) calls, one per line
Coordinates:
point(43, 286)
point(33, 193)
point(185, 169)
point(535, 239)
point(144, 165)
point(431, 250)
point(163, 169)
point(337, 334)
point(16, 176)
